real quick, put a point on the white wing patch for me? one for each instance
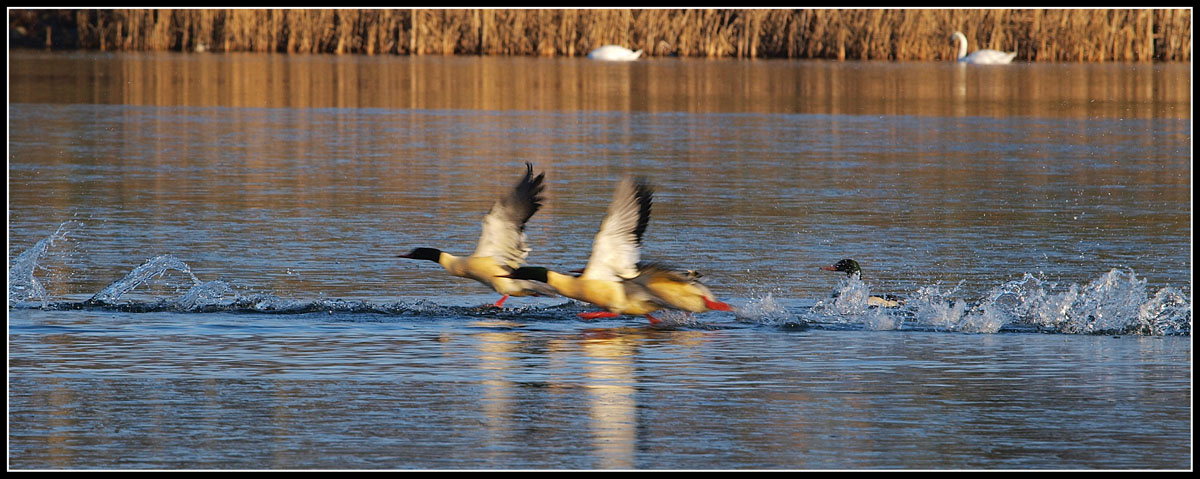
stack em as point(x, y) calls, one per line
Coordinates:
point(616, 247)
point(503, 233)
point(502, 238)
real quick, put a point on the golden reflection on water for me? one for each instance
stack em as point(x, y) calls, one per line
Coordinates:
point(497, 404)
point(614, 419)
point(572, 84)
point(608, 362)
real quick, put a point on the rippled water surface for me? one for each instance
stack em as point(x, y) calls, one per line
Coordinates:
point(203, 271)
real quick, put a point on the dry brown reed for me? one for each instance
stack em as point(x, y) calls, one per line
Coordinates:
point(1070, 35)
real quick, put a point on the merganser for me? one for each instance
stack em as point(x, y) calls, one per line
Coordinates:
point(851, 268)
point(614, 53)
point(981, 57)
point(614, 280)
point(679, 289)
point(501, 247)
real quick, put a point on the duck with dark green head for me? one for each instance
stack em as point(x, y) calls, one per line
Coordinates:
point(848, 266)
point(852, 270)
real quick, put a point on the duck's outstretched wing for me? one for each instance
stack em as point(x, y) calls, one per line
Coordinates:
point(616, 247)
point(503, 235)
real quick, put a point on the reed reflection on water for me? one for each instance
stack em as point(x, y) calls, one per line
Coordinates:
point(572, 84)
point(908, 199)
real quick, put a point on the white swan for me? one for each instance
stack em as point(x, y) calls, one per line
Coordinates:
point(614, 53)
point(981, 57)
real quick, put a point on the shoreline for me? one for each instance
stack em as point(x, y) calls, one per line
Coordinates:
point(1037, 35)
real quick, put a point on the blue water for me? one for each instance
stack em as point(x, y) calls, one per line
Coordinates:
point(196, 286)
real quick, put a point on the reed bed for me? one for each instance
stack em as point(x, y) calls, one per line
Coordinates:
point(1057, 35)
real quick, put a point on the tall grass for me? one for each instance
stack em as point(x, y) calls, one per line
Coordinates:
point(1072, 35)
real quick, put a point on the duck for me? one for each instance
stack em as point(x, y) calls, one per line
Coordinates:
point(614, 53)
point(679, 289)
point(981, 57)
point(852, 270)
point(501, 248)
point(613, 278)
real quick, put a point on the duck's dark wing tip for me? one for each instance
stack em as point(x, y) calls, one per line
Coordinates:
point(526, 198)
point(644, 194)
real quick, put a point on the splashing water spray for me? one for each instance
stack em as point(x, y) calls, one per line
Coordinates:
point(22, 284)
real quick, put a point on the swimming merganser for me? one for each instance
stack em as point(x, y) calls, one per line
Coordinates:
point(851, 268)
point(501, 247)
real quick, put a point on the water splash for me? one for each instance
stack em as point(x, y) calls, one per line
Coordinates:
point(154, 267)
point(851, 304)
point(1115, 303)
point(879, 319)
point(23, 286)
point(207, 296)
point(848, 303)
point(764, 310)
point(940, 310)
point(1118, 302)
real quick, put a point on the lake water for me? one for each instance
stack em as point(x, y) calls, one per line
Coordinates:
point(203, 271)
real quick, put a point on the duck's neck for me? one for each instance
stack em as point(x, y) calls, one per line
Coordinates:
point(566, 285)
point(449, 261)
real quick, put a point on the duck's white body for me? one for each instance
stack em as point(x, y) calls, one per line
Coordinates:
point(614, 53)
point(502, 246)
point(981, 57)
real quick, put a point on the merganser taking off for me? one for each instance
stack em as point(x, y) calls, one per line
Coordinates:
point(614, 53)
point(502, 246)
point(614, 280)
point(850, 267)
point(981, 57)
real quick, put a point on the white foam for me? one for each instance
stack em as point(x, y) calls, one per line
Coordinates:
point(763, 310)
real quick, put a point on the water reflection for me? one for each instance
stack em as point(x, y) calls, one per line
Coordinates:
point(497, 402)
point(441, 393)
point(571, 84)
point(314, 202)
point(916, 200)
point(611, 394)
point(604, 390)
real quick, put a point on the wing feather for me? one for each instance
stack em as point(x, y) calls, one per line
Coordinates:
point(503, 234)
point(616, 247)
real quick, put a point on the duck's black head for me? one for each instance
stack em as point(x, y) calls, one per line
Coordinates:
point(532, 273)
point(848, 266)
point(431, 254)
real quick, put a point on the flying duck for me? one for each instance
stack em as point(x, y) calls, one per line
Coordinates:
point(850, 267)
point(614, 280)
point(502, 246)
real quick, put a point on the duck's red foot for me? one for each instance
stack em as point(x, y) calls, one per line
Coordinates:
point(717, 305)
point(598, 314)
point(653, 320)
point(500, 304)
